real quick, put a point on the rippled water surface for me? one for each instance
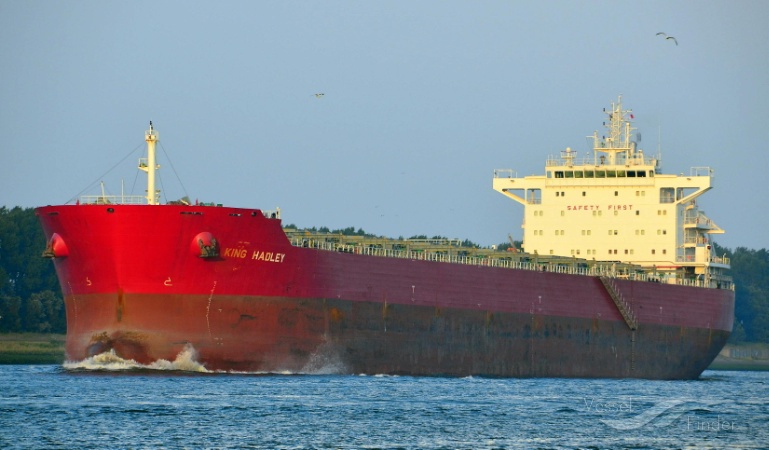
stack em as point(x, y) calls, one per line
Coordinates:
point(116, 405)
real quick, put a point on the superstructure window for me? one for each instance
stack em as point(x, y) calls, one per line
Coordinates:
point(534, 196)
point(667, 195)
point(559, 174)
point(589, 174)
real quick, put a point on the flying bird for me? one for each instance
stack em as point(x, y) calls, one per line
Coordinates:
point(320, 95)
point(667, 37)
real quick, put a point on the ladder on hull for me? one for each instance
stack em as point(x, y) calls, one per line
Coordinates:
point(622, 305)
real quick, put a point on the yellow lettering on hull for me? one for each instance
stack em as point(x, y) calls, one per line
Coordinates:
point(268, 256)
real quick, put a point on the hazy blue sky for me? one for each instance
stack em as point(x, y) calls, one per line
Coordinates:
point(423, 100)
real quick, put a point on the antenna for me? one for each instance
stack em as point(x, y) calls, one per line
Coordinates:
point(659, 140)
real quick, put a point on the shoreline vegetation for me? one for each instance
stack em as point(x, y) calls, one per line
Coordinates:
point(48, 348)
point(31, 348)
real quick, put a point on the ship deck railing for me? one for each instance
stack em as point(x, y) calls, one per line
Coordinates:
point(590, 160)
point(692, 259)
point(561, 265)
point(113, 199)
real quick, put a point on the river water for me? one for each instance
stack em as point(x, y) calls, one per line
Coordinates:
point(112, 403)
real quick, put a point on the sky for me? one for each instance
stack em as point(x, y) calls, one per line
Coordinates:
point(421, 102)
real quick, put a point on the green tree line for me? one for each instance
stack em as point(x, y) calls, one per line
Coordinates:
point(30, 296)
point(31, 301)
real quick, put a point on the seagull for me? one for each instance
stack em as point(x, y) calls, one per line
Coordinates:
point(319, 95)
point(667, 37)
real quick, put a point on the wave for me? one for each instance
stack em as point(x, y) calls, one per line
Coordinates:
point(185, 361)
point(322, 362)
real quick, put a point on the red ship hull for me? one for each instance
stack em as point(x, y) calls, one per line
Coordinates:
point(134, 282)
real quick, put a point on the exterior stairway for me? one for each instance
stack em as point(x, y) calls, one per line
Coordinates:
point(622, 305)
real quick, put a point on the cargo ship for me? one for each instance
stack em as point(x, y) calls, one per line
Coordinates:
point(617, 278)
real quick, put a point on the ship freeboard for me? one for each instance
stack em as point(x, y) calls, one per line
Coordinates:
point(618, 280)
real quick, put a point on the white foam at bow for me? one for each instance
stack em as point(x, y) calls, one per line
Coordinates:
point(184, 361)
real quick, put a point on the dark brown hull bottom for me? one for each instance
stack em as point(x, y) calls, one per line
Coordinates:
point(268, 334)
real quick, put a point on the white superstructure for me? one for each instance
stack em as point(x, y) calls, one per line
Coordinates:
point(614, 204)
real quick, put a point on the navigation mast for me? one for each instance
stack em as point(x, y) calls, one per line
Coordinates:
point(618, 142)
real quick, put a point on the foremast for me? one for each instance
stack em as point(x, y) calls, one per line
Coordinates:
point(149, 165)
